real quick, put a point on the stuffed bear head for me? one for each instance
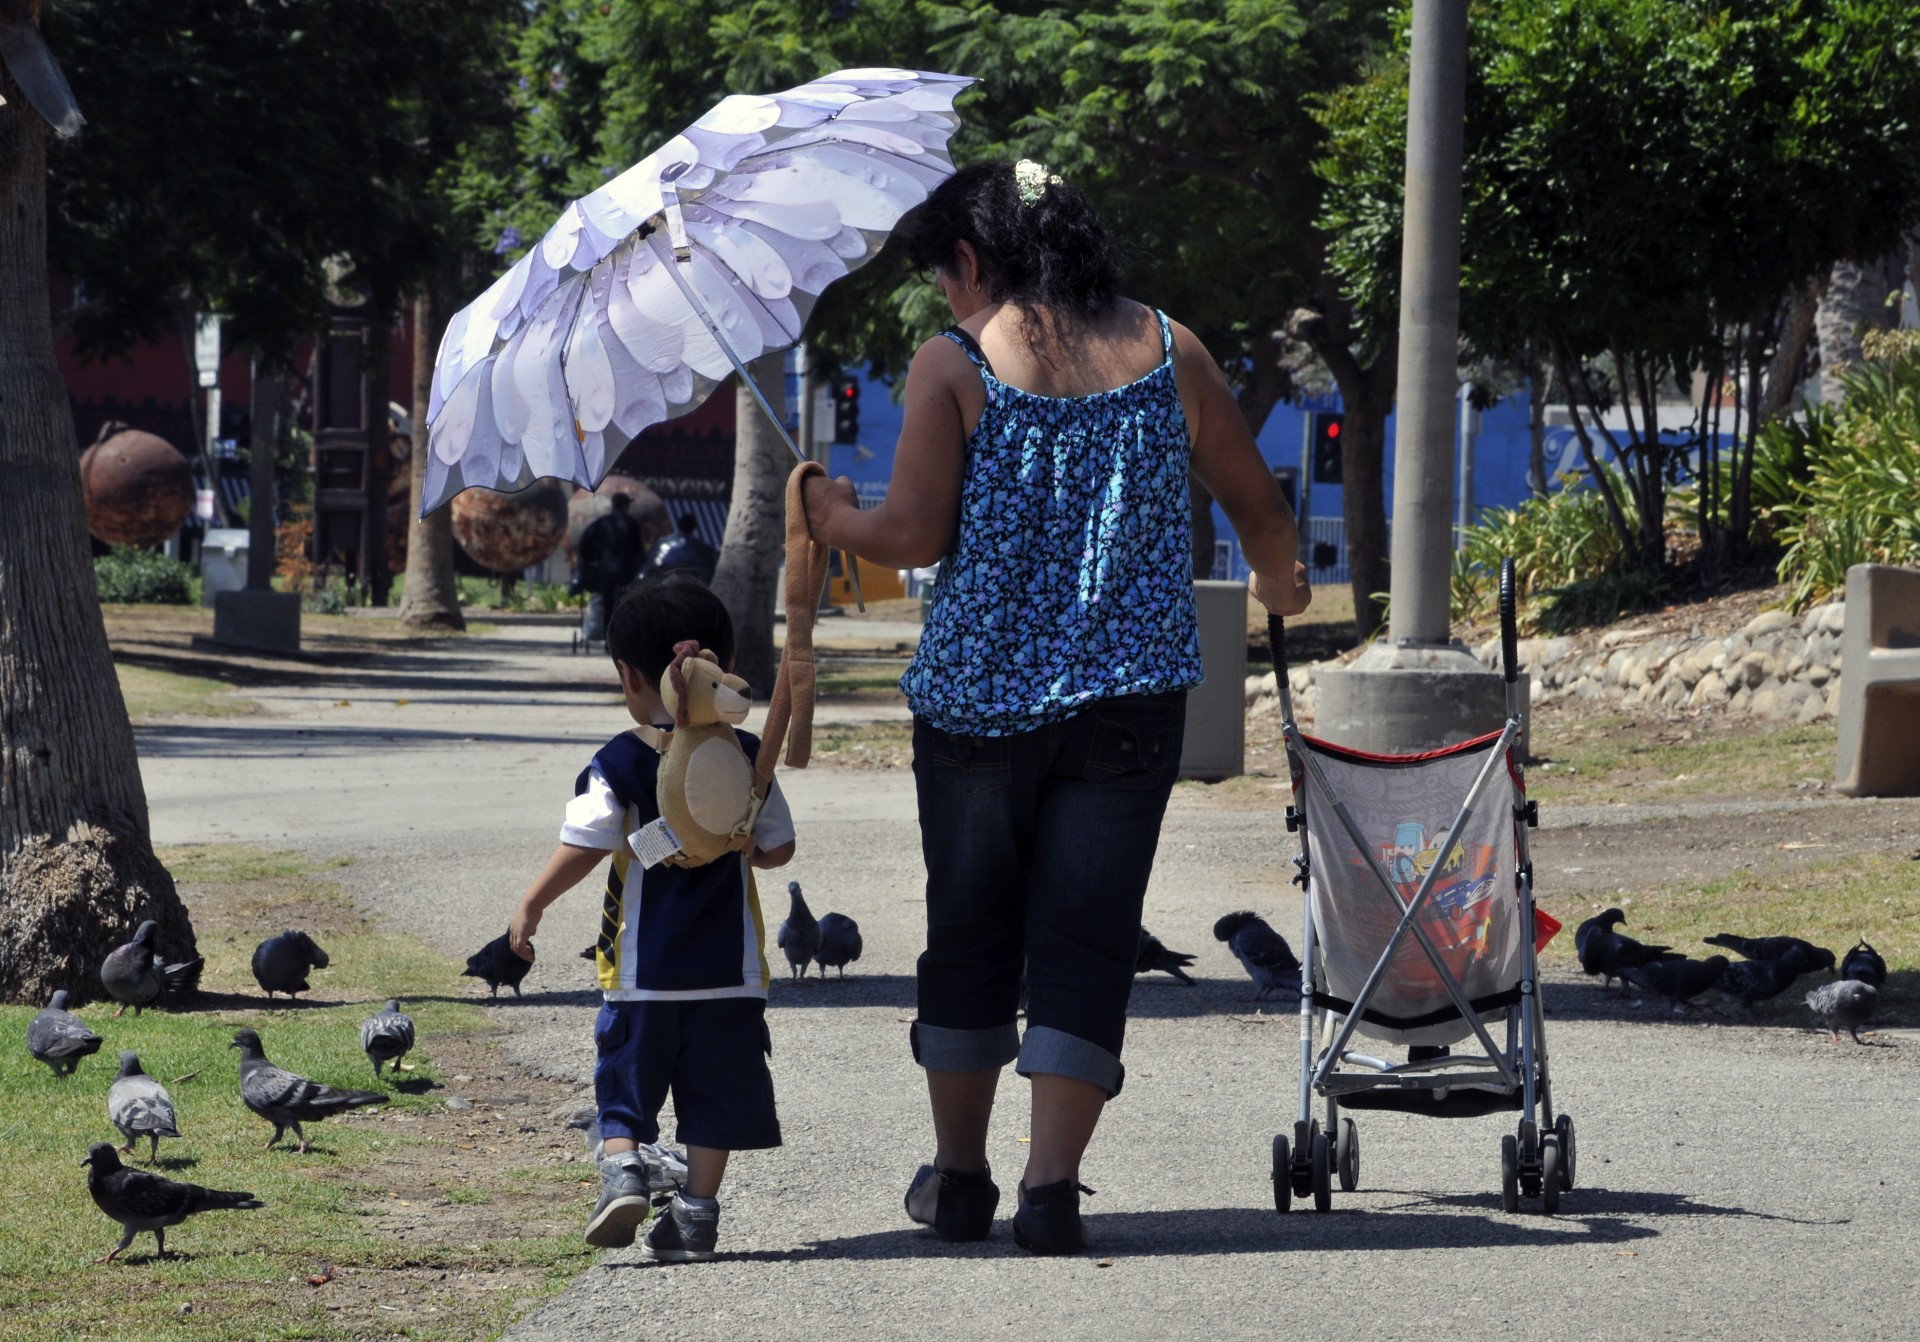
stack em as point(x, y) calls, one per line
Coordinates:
point(698, 693)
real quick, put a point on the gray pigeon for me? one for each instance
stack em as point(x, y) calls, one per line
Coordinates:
point(799, 934)
point(286, 1100)
point(1261, 951)
point(59, 1038)
point(1754, 981)
point(1679, 980)
point(1610, 954)
point(142, 1201)
point(134, 975)
point(281, 964)
point(387, 1036)
point(1803, 956)
point(1845, 1004)
point(139, 1106)
point(840, 943)
point(1153, 954)
point(1863, 962)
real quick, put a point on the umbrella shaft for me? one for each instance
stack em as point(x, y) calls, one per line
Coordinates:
point(746, 378)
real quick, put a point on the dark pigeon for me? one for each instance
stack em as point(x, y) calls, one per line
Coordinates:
point(281, 964)
point(286, 1100)
point(799, 934)
point(1679, 980)
point(495, 963)
point(1609, 954)
point(840, 943)
point(135, 976)
point(1845, 1004)
point(1803, 956)
point(59, 1038)
point(1153, 955)
point(1264, 953)
point(1864, 964)
point(388, 1036)
point(139, 1106)
point(142, 1201)
point(1754, 981)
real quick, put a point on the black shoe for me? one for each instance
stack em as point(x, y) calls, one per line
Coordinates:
point(958, 1206)
point(1048, 1221)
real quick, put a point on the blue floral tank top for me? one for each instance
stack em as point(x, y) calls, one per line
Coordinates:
point(1071, 577)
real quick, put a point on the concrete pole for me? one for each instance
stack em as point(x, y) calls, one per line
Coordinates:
point(1423, 458)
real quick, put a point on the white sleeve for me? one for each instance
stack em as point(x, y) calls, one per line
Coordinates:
point(774, 825)
point(595, 818)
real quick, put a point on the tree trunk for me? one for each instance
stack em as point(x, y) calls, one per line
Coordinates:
point(431, 597)
point(77, 870)
point(750, 553)
point(1363, 495)
point(1789, 353)
point(1536, 424)
point(375, 576)
point(1855, 301)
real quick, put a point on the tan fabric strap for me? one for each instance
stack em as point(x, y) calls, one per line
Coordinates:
point(791, 710)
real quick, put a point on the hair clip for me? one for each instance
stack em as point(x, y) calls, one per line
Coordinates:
point(1031, 180)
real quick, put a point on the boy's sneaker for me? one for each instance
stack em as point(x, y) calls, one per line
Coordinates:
point(686, 1230)
point(1048, 1221)
point(958, 1206)
point(623, 1207)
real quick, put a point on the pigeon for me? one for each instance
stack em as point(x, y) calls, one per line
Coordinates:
point(1754, 981)
point(1863, 963)
point(1804, 956)
point(387, 1036)
point(286, 1100)
point(1608, 953)
point(280, 964)
point(1845, 1004)
point(587, 1121)
point(1678, 980)
point(1268, 960)
point(840, 943)
point(799, 934)
point(134, 975)
point(496, 963)
point(1153, 955)
point(139, 1106)
point(142, 1201)
point(59, 1038)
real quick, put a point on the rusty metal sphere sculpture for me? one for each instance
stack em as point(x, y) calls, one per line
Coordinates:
point(138, 488)
point(509, 532)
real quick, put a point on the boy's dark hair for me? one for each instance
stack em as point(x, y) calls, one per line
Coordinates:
point(657, 612)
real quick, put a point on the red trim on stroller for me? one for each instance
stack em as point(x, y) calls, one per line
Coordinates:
point(1368, 757)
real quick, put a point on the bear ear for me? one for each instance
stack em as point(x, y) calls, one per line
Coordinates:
point(736, 683)
point(706, 655)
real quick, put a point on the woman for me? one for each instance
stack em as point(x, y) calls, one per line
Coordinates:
point(1043, 460)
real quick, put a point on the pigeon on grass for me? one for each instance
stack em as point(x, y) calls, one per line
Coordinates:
point(139, 1106)
point(495, 964)
point(142, 1201)
point(286, 1100)
point(281, 964)
point(1154, 955)
point(59, 1038)
point(840, 943)
point(1609, 954)
point(799, 934)
point(134, 975)
point(1263, 952)
point(1754, 981)
point(388, 1036)
point(1864, 963)
point(1845, 1004)
point(1679, 981)
point(1803, 956)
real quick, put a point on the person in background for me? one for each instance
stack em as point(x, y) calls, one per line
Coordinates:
point(611, 551)
point(685, 550)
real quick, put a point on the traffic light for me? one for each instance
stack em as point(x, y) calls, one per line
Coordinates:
point(1326, 447)
point(846, 410)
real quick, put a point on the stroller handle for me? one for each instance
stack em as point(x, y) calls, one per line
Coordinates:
point(1277, 638)
point(1509, 632)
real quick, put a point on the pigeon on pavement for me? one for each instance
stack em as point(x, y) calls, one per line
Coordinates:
point(1264, 953)
point(139, 1106)
point(1864, 963)
point(799, 934)
point(286, 1100)
point(1608, 953)
point(135, 976)
point(280, 964)
point(59, 1038)
point(1754, 981)
point(1153, 955)
point(1804, 956)
point(840, 943)
point(495, 963)
point(1679, 980)
point(387, 1036)
point(142, 1201)
point(1845, 1004)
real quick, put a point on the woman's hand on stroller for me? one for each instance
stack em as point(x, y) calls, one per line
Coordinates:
point(1280, 595)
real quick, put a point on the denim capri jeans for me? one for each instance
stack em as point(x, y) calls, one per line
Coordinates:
point(1038, 848)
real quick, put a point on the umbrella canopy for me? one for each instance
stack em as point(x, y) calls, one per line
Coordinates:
point(707, 253)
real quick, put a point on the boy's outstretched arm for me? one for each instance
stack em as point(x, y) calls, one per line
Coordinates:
point(767, 858)
point(569, 865)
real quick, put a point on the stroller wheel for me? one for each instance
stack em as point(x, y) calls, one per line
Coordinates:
point(1550, 1175)
point(1563, 1129)
point(1312, 1148)
point(1347, 1156)
point(1509, 1173)
point(1322, 1174)
point(1282, 1176)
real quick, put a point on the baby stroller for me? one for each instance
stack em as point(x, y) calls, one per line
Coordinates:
point(1420, 932)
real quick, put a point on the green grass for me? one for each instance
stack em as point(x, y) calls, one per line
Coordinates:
point(868, 744)
point(234, 1266)
point(865, 678)
point(1609, 759)
point(162, 694)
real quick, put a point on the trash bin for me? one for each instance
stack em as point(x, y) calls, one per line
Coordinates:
point(223, 563)
point(1216, 740)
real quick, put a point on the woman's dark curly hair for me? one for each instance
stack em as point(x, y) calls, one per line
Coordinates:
point(1052, 254)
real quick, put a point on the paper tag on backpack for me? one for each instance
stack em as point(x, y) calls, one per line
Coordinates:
point(653, 843)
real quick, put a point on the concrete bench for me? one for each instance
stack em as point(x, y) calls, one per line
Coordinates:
point(1879, 749)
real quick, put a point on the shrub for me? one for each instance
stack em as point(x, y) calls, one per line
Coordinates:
point(1556, 543)
point(143, 578)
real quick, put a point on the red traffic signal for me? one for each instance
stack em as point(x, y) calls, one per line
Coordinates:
point(1325, 431)
point(846, 410)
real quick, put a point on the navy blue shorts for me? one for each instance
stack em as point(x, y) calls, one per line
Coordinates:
point(711, 1053)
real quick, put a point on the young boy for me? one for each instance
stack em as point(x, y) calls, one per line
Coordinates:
point(680, 951)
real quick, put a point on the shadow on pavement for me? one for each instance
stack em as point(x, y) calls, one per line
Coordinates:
point(192, 740)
